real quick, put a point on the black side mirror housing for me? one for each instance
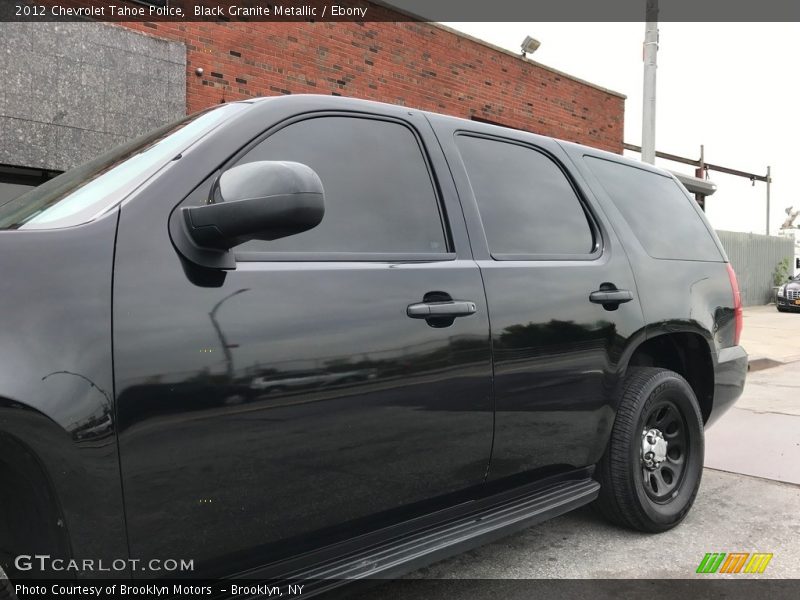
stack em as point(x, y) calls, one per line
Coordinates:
point(264, 200)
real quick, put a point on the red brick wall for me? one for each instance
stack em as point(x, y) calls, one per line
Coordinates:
point(415, 64)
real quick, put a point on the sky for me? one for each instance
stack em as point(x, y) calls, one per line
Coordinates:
point(733, 87)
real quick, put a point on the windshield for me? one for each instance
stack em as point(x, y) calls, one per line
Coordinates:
point(85, 192)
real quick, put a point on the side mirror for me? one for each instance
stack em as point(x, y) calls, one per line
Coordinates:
point(263, 200)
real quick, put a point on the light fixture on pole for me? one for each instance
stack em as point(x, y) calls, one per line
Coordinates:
point(530, 45)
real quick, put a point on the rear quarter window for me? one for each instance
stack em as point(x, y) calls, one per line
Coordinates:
point(658, 211)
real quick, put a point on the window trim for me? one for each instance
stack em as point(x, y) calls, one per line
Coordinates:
point(598, 246)
point(378, 257)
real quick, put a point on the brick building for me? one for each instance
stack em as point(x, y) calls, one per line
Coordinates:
point(414, 64)
point(73, 90)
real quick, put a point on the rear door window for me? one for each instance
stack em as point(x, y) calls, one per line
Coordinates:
point(658, 211)
point(528, 207)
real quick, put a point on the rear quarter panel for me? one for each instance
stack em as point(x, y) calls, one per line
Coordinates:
point(680, 296)
point(676, 295)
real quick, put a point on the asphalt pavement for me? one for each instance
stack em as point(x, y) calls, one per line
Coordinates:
point(749, 499)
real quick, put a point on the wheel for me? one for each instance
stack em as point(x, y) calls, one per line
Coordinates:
point(650, 472)
point(6, 589)
point(782, 309)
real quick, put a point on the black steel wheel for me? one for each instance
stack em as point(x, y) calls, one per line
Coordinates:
point(651, 469)
point(665, 445)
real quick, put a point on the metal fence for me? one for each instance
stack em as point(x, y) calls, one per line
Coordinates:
point(754, 258)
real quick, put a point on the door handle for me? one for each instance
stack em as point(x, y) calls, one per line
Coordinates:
point(610, 296)
point(445, 309)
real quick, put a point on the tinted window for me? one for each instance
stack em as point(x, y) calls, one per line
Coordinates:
point(527, 205)
point(379, 196)
point(659, 212)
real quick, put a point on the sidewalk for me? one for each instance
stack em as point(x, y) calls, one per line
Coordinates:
point(770, 336)
point(760, 435)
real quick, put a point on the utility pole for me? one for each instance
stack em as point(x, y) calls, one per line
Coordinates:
point(649, 96)
point(769, 181)
point(700, 172)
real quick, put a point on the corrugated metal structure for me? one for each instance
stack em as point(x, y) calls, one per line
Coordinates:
point(754, 258)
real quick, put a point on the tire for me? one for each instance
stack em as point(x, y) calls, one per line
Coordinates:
point(6, 589)
point(781, 309)
point(652, 493)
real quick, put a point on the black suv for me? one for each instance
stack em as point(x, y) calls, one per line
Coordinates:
point(328, 338)
point(788, 296)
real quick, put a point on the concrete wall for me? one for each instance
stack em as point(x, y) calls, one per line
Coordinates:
point(70, 91)
point(754, 258)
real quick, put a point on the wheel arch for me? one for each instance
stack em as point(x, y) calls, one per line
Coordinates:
point(687, 350)
point(32, 519)
point(74, 476)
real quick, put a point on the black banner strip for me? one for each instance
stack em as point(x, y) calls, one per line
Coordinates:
point(399, 10)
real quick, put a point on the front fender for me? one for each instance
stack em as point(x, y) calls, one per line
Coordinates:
point(56, 380)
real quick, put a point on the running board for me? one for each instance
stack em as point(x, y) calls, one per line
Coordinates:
point(404, 554)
